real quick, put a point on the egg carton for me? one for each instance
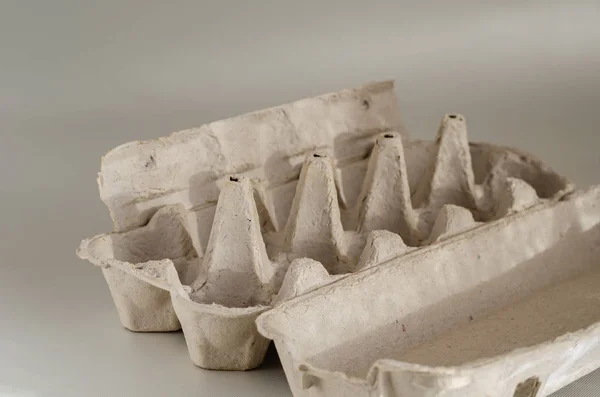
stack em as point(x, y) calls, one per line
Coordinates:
point(510, 308)
point(214, 226)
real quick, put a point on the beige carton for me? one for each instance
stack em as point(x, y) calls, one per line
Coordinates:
point(214, 226)
point(509, 308)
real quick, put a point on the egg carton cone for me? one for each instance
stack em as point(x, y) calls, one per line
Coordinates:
point(510, 308)
point(235, 238)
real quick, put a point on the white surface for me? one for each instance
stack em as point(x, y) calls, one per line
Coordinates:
point(78, 78)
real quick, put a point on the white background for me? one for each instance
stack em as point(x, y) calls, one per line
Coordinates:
point(80, 77)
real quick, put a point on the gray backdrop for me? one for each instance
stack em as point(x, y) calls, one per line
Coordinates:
point(80, 77)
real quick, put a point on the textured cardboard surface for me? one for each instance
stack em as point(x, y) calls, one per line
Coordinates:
point(491, 311)
point(81, 79)
point(351, 205)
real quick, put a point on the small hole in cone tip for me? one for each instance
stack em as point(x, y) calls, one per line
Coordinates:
point(452, 116)
point(317, 155)
point(388, 136)
point(233, 179)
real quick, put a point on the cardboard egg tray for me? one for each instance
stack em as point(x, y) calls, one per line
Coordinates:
point(217, 225)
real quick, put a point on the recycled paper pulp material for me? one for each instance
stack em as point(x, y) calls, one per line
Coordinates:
point(206, 230)
point(138, 178)
point(510, 308)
